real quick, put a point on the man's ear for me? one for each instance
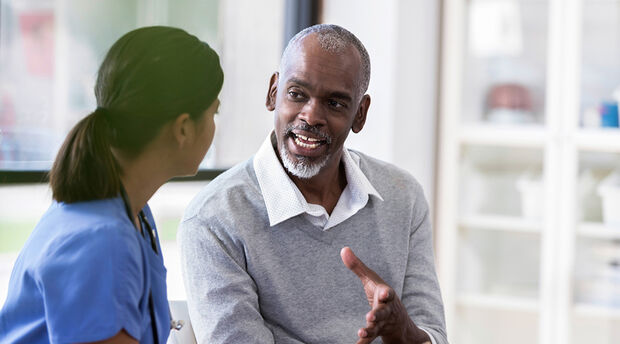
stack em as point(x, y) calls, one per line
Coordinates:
point(182, 129)
point(360, 116)
point(270, 102)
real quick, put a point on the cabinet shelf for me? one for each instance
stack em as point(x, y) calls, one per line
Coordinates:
point(588, 310)
point(531, 135)
point(599, 140)
point(505, 303)
point(560, 68)
point(501, 223)
point(598, 230)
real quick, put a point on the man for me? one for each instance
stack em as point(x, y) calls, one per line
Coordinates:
point(260, 244)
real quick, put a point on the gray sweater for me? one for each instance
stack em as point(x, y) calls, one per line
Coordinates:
point(248, 282)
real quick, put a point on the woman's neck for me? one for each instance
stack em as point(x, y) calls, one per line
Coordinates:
point(141, 178)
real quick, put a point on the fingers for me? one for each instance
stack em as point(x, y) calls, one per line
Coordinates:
point(365, 340)
point(381, 318)
point(385, 294)
point(372, 330)
point(380, 296)
point(364, 337)
point(377, 315)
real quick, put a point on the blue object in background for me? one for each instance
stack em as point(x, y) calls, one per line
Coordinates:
point(609, 114)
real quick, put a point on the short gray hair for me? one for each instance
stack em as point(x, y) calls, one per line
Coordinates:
point(335, 39)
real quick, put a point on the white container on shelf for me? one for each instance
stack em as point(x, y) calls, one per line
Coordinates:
point(609, 190)
point(598, 274)
point(601, 290)
point(530, 185)
point(589, 209)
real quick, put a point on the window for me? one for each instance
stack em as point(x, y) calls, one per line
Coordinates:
point(50, 51)
point(49, 55)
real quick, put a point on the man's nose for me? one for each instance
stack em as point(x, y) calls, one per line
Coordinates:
point(313, 113)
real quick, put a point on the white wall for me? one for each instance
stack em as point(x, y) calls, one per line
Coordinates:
point(251, 41)
point(402, 39)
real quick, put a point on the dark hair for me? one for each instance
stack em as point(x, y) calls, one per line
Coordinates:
point(148, 77)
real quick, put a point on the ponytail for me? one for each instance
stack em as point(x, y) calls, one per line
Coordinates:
point(148, 77)
point(85, 168)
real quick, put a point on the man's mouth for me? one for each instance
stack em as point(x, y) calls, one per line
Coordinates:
point(307, 142)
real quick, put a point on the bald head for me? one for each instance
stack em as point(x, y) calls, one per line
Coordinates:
point(336, 40)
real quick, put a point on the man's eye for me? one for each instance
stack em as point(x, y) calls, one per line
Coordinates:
point(294, 95)
point(335, 104)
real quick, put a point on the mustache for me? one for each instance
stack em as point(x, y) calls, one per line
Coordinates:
point(288, 131)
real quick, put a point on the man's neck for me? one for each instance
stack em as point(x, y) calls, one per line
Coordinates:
point(325, 188)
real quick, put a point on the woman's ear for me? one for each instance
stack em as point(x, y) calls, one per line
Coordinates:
point(183, 130)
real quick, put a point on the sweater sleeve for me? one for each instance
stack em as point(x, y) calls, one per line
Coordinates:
point(421, 295)
point(222, 297)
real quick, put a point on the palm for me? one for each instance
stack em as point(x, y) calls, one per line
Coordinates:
point(388, 317)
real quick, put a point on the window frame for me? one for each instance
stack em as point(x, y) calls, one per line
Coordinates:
point(8, 177)
point(299, 14)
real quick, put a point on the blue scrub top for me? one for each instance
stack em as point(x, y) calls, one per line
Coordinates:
point(84, 274)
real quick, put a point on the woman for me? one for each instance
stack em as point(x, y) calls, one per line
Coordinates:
point(92, 269)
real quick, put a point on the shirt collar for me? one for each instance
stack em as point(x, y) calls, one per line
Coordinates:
point(283, 199)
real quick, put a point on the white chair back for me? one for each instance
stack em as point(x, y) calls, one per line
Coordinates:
point(179, 312)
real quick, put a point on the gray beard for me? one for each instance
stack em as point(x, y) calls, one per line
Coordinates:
point(301, 169)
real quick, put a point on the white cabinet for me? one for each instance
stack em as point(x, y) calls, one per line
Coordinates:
point(526, 253)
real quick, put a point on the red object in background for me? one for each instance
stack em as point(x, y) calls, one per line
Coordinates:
point(509, 96)
point(7, 111)
point(37, 35)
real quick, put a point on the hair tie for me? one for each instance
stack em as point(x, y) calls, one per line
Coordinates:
point(102, 111)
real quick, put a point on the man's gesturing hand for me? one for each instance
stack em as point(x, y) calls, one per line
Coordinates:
point(387, 317)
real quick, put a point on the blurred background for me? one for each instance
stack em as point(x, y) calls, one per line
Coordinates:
point(506, 111)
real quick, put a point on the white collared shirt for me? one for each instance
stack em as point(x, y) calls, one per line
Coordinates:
point(284, 200)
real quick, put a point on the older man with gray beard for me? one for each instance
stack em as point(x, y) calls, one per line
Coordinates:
point(267, 247)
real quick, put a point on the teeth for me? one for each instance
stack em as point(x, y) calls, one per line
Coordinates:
point(308, 138)
point(305, 145)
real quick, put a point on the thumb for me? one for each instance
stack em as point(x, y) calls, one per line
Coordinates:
point(354, 264)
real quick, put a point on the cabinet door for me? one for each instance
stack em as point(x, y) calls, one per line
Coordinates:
point(531, 170)
point(499, 231)
point(505, 57)
point(498, 135)
point(595, 299)
point(600, 63)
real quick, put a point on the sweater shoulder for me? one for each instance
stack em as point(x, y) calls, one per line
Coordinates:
point(236, 188)
point(388, 178)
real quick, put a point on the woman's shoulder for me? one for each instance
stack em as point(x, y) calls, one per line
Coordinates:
point(86, 256)
point(85, 216)
point(84, 229)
